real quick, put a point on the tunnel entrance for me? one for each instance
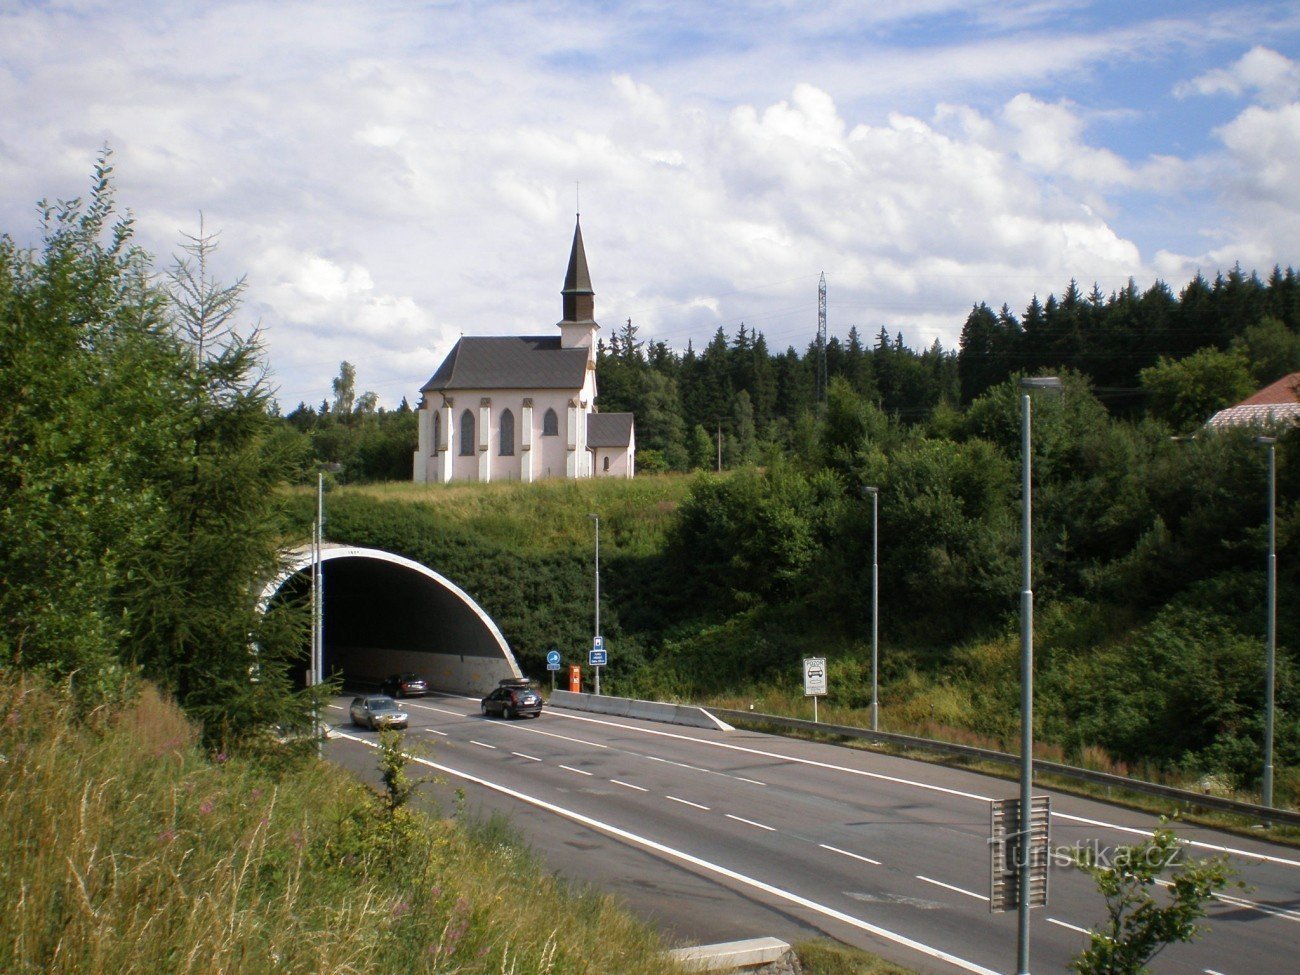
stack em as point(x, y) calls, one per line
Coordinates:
point(386, 614)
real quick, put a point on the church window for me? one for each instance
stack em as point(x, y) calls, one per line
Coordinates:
point(550, 424)
point(437, 431)
point(606, 465)
point(507, 434)
point(467, 434)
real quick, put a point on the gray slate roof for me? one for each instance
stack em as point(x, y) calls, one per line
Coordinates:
point(609, 429)
point(512, 362)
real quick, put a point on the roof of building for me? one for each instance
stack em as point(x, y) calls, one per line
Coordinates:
point(609, 430)
point(1274, 404)
point(510, 362)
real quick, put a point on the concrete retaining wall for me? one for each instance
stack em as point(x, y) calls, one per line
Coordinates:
point(624, 707)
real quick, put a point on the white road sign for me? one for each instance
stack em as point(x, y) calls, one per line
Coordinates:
point(814, 676)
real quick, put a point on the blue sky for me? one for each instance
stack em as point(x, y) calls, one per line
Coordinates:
point(390, 175)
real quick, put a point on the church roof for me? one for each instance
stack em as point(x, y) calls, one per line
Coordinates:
point(609, 430)
point(511, 362)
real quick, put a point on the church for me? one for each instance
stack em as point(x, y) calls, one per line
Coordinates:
point(523, 408)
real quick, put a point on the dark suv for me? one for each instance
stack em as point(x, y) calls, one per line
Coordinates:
point(405, 685)
point(514, 697)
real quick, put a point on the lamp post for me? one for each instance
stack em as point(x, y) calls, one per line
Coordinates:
point(596, 519)
point(1270, 648)
point(1027, 673)
point(875, 607)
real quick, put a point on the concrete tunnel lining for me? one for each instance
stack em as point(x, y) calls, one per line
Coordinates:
point(385, 614)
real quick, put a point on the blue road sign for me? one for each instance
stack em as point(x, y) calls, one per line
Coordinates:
point(596, 658)
point(553, 660)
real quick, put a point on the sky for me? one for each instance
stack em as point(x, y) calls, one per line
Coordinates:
point(391, 175)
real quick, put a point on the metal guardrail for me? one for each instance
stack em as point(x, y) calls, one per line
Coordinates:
point(1250, 810)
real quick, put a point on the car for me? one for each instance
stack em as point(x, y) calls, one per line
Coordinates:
point(405, 685)
point(377, 711)
point(514, 697)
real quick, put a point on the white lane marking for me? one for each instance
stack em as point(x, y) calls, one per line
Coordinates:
point(959, 890)
point(695, 861)
point(482, 744)
point(750, 781)
point(551, 734)
point(629, 785)
point(1064, 924)
point(1211, 971)
point(335, 707)
point(435, 731)
point(570, 768)
point(1255, 905)
point(529, 757)
point(836, 849)
point(427, 707)
point(687, 802)
point(693, 768)
point(787, 758)
point(750, 822)
point(1199, 843)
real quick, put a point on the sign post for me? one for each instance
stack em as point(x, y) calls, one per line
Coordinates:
point(1012, 843)
point(814, 680)
point(553, 664)
point(597, 657)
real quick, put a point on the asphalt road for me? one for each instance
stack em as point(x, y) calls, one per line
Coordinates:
point(715, 836)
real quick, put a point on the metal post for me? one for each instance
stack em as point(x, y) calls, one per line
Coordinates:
point(1027, 675)
point(1270, 650)
point(318, 660)
point(875, 607)
point(597, 631)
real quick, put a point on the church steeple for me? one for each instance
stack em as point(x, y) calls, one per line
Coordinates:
point(578, 327)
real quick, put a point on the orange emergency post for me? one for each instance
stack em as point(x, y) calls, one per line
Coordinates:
point(575, 678)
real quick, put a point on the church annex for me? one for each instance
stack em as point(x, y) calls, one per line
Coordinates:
point(522, 408)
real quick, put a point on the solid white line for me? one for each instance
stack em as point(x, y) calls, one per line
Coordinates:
point(482, 744)
point(959, 890)
point(693, 768)
point(687, 802)
point(456, 714)
point(552, 734)
point(572, 769)
point(1211, 971)
point(750, 781)
point(629, 785)
point(750, 822)
point(836, 849)
point(529, 757)
point(435, 731)
point(1072, 927)
point(1199, 843)
point(695, 861)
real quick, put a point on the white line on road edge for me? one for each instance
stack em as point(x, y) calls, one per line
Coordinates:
point(482, 744)
point(695, 861)
point(629, 785)
point(529, 757)
point(1065, 924)
point(959, 890)
point(750, 822)
point(836, 849)
point(1136, 831)
point(570, 768)
point(687, 802)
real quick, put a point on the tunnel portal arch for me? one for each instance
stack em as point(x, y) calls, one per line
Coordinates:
point(387, 614)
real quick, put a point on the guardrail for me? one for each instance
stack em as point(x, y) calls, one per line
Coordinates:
point(1250, 810)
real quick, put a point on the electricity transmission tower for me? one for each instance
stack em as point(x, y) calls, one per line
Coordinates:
point(821, 340)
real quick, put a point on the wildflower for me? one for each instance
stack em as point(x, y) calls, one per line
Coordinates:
point(167, 835)
point(222, 758)
point(207, 806)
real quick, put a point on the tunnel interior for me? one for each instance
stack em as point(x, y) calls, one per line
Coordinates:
point(384, 617)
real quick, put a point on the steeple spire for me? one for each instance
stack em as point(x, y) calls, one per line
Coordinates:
point(579, 299)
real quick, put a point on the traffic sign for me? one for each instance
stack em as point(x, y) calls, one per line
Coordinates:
point(597, 658)
point(598, 643)
point(814, 676)
point(553, 660)
point(1010, 842)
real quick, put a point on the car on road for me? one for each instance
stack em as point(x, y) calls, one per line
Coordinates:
point(405, 685)
point(513, 698)
point(376, 711)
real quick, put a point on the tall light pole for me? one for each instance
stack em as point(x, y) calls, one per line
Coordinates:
point(1027, 673)
point(1270, 649)
point(596, 633)
point(875, 607)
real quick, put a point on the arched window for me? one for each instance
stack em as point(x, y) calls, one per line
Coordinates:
point(437, 431)
point(606, 465)
point(467, 434)
point(507, 434)
point(550, 424)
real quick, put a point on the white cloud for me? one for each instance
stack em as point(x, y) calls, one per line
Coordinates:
point(1274, 77)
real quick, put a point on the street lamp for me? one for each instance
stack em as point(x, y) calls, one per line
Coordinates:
point(1027, 674)
point(875, 607)
point(596, 519)
point(1271, 637)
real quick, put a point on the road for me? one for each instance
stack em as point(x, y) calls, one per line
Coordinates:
point(720, 835)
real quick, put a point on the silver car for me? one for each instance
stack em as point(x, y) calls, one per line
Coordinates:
point(376, 711)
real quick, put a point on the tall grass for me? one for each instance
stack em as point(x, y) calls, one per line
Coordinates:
point(124, 848)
